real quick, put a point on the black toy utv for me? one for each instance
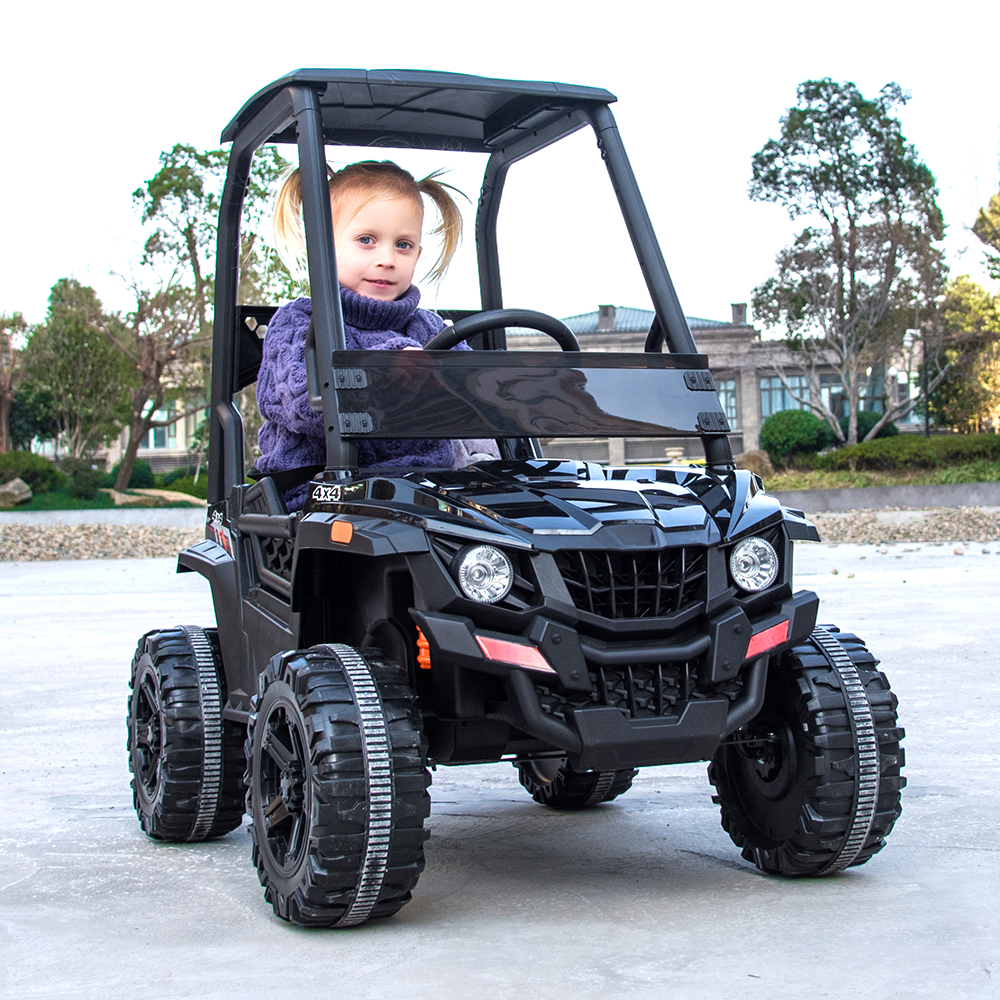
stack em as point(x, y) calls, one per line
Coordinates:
point(580, 621)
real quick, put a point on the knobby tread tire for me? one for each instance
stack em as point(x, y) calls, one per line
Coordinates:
point(186, 760)
point(343, 842)
point(812, 816)
point(574, 790)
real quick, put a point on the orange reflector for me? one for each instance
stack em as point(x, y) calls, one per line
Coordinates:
point(423, 651)
point(514, 652)
point(341, 531)
point(768, 639)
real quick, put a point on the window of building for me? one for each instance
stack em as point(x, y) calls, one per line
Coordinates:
point(905, 390)
point(831, 391)
point(774, 397)
point(727, 397)
point(162, 437)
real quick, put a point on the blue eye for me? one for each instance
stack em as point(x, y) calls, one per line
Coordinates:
point(404, 245)
point(366, 240)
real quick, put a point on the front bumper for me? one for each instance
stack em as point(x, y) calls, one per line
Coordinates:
point(605, 737)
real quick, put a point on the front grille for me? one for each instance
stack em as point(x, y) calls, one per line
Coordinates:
point(641, 584)
point(639, 692)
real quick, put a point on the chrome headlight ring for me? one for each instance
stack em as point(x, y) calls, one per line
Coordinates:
point(485, 573)
point(753, 564)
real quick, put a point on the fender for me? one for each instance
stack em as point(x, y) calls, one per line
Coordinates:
point(214, 563)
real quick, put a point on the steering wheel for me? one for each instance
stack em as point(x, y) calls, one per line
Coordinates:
point(494, 318)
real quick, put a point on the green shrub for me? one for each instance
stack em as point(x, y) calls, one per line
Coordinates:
point(866, 421)
point(141, 478)
point(188, 485)
point(84, 479)
point(913, 451)
point(173, 475)
point(39, 473)
point(793, 432)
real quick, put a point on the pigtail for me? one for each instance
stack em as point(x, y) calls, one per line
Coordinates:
point(286, 221)
point(450, 229)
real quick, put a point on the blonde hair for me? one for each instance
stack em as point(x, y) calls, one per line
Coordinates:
point(367, 181)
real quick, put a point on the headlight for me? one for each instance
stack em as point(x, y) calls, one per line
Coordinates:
point(754, 564)
point(485, 574)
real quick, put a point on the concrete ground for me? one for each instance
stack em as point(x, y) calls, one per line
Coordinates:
point(645, 897)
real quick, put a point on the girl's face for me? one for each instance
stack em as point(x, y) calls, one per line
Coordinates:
point(378, 246)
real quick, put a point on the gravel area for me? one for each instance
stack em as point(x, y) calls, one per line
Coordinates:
point(933, 524)
point(33, 543)
point(30, 543)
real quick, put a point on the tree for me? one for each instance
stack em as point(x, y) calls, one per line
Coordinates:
point(12, 330)
point(31, 417)
point(867, 252)
point(74, 360)
point(987, 228)
point(968, 397)
point(169, 333)
point(160, 339)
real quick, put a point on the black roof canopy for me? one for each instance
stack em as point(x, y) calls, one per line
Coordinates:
point(424, 109)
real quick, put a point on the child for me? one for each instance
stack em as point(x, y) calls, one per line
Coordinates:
point(378, 224)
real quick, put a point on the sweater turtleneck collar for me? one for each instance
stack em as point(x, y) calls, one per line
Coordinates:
point(364, 313)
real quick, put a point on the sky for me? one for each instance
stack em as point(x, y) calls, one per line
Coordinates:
point(94, 92)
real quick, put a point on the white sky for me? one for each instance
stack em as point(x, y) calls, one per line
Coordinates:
point(93, 92)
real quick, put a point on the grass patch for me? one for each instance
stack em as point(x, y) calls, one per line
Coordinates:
point(63, 499)
point(980, 471)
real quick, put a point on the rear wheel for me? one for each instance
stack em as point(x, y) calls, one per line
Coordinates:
point(337, 783)
point(812, 785)
point(550, 781)
point(186, 760)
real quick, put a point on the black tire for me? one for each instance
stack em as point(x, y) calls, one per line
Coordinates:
point(551, 782)
point(812, 785)
point(186, 760)
point(337, 786)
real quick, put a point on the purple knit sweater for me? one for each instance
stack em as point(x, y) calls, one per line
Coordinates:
point(292, 434)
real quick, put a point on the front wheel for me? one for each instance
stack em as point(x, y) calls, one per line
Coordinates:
point(337, 787)
point(812, 785)
point(551, 782)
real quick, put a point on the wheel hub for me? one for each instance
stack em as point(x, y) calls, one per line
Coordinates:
point(290, 787)
point(764, 754)
point(769, 758)
point(148, 735)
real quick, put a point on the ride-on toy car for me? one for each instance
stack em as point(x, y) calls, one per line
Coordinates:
point(580, 621)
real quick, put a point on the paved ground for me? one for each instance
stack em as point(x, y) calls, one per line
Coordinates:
point(643, 898)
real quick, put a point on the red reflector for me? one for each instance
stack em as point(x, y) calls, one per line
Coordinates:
point(768, 639)
point(514, 652)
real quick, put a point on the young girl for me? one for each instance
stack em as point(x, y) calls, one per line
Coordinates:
point(378, 224)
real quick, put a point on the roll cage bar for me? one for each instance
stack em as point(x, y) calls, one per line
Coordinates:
point(507, 119)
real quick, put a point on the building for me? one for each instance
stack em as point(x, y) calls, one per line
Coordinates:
point(737, 356)
point(164, 448)
point(746, 374)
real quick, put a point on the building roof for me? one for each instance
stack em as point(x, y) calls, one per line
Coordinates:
point(627, 319)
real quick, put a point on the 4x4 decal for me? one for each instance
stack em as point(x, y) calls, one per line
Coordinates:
point(327, 493)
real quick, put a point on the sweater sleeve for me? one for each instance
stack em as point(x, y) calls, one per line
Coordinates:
point(282, 387)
